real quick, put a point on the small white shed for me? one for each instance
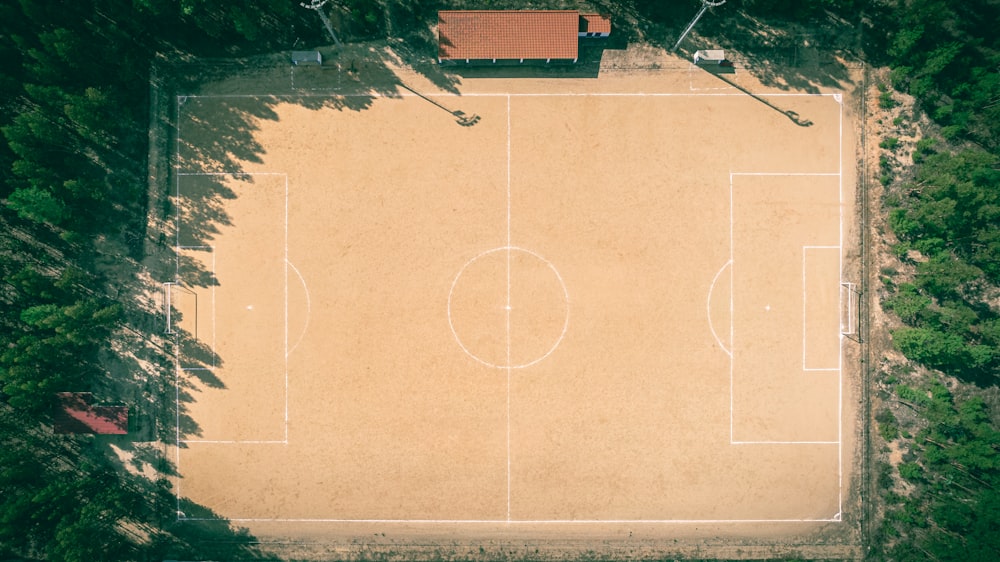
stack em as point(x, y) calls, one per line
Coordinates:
point(714, 56)
point(307, 58)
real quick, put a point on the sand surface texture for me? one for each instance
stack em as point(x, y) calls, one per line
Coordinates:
point(611, 301)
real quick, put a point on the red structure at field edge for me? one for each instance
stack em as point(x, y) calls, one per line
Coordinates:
point(77, 414)
point(488, 36)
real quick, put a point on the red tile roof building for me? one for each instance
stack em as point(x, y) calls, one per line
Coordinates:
point(595, 25)
point(508, 35)
point(76, 414)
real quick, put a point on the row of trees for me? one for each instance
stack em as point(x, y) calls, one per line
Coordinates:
point(74, 80)
point(943, 501)
point(947, 505)
point(946, 219)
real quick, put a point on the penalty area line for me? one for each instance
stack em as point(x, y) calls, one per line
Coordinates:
point(235, 441)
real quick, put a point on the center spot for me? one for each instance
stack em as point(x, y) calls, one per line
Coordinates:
point(508, 308)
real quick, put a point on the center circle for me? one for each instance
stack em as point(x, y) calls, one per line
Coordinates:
point(508, 308)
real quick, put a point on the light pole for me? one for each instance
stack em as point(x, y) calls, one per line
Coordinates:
point(705, 4)
point(318, 6)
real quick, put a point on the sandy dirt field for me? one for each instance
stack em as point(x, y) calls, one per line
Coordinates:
point(612, 302)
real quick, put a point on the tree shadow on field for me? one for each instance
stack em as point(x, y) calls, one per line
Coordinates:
point(811, 55)
point(214, 111)
point(214, 117)
point(201, 534)
point(809, 51)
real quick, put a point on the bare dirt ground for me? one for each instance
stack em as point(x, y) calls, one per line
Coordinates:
point(517, 317)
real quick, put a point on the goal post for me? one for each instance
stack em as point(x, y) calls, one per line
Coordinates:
point(850, 312)
point(169, 305)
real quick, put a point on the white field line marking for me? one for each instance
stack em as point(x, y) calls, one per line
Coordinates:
point(784, 442)
point(177, 424)
point(805, 252)
point(846, 327)
point(305, 288)
point(508, 307)
point(559, 278)
point(785, 173)
point(840, 356)
point(215, 355)
point(177, 186)
point(691, 71)
point(850, 308)
point(400, 95)
point(847, 324)
point(166, 302)
point(708, 308)
point(834, 519)
point(732, 309)
point(234, 441)
point(836, 96)
point(214, 365)
point(732, 251)
point(286, 308)
point(178, 247)
point(508, 441)
point(214, 252)
point(234, 175)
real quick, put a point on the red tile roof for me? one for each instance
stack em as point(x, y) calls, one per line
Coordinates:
point(595, 23)
point(77, 415)
point(514, 34)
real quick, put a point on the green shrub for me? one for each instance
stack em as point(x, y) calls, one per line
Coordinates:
point(910, 471)
point(908, 304)
point(913, 395)
point(926, 145)
point(885, 100)
point(951, 132)
point(888, 428)
point(899, 77)
point(888, 529)
point(889, 143)
point(885, 480)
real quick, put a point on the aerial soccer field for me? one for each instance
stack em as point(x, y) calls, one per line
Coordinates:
point(534, 304)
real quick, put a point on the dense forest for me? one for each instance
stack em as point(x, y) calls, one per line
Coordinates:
point(74, 116)
point(941, 198)
point(74, 85)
